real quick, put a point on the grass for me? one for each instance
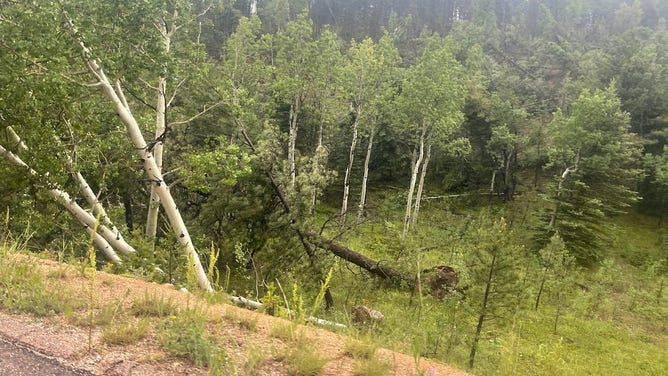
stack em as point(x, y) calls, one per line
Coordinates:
point(185, 335)
point(256, 358)
point(622, 331)
point(248, 322)
point(360, 349)
point(371, 367)
point(153, 305)
point(125, 333)
point(366, 363)
point(24, 289)
point(303, 359)
point(617, 325)
point(284, 332)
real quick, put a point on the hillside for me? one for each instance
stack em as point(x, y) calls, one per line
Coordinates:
point(246, 343)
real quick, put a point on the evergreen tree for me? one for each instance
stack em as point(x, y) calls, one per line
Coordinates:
point(595, 158)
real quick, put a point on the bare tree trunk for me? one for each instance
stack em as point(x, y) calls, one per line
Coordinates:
point(154, 201)
point(418, 198)
point(540, 289)
point(372, 266)
point(153, 173)
point(351, 157)
point(411, 188)
point(253, 8)
point(483, 312)
point(491, 185)
point(160, 130)
point(365, 177)
point(114, 236)
point(318, 149)
point(118, 242)
point(292, 139)
point(564, 175)
point(509, 188)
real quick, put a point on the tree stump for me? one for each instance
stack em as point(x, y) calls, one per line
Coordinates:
point(363, 315)
point(441, 280)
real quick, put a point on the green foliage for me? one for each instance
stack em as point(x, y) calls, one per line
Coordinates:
point(222, 166)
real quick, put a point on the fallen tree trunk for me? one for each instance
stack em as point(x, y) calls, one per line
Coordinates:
point(372, 266)
point(252, 304)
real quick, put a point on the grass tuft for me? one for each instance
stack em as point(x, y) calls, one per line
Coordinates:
point(125, 333)
point(153, 305)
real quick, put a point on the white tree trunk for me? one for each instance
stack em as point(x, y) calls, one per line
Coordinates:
point(292, 140)
point(114, 236)
point(18, 143)
point(105, 222)
point(560, 186)
point(253, 8)
point(351, 157)
point(411, 188)
point(160, 129)
point(84, 217)
point(154, 201)
point(418, 197)
point(365, 176)
point(316, 171)
point(153, 173)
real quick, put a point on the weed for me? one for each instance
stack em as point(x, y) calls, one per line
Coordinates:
point(125, 333)
point(303, 358)
point(371, 367)
point(256, 359)
point(153, 305)
point(284, 332)
point(360, 349)
point(60, 273)
point(184, 336)
point(248, 323)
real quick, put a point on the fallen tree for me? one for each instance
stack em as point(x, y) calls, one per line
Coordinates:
point(116, 97)
point(372, 266)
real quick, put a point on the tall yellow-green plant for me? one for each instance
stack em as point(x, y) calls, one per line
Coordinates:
point(212, 272)
point(321, 293)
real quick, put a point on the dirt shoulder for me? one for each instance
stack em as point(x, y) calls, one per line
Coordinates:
point(66, 342)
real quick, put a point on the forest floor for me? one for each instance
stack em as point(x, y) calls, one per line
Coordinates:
point(247, 338)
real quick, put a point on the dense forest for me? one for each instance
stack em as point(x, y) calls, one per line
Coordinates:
point(499, 168)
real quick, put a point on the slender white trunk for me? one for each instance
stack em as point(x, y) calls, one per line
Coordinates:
point(560, 186)
point(84, 217)
point(253, 7)
point(105, 222)
point(153, 173)
point(160, 129)
point(292, 140)
point(18, 143)
point(492, 184)
point(411, 187)
point(351, 157)
point(316, 170)
point(154, 201)
point(114, 236)
point(365, 176)
point(418, 197)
